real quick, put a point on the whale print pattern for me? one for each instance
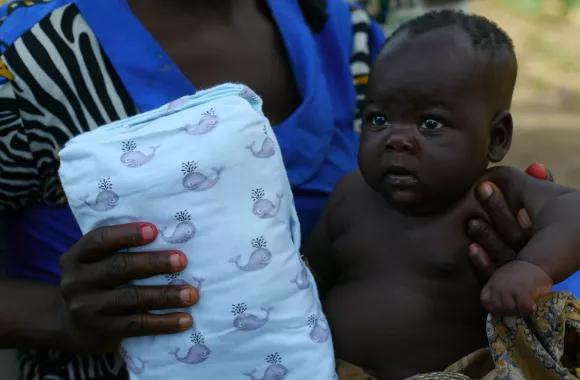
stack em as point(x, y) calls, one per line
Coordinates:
point(183, 232)
point(106, 200)
point(134, 159)
point(318, 333)
point(259, 259)
point(197, 353)
point(176, 104)
point(176, 279)
point(248, 322)
point(208, 122)
point(131, 364)
point(195, 181)
point(264, 208)
point(274, 371)
point(301, 280)
point(248, 94)
point(266, 151)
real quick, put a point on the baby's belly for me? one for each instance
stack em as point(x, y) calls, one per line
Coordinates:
point(397, 329)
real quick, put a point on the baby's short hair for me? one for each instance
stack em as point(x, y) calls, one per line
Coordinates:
point(486, 36)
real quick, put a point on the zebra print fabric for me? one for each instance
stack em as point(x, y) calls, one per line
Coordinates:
point(360, 63)
point(61, 85)
point(55, 83)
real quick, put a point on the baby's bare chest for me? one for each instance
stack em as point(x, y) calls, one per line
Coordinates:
point(430, 251)
point(407, 298)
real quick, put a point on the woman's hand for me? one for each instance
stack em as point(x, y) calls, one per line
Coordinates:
point(101, 308)
point(494, 248)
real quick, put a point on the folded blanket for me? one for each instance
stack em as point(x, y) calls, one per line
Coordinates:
point(208, 171)
point(545, 346)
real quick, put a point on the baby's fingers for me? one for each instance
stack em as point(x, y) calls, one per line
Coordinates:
point(526, 305)
point(506, 303)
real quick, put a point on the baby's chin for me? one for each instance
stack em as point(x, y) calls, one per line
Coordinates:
point(409, 202)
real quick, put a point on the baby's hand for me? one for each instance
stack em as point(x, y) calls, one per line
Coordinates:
point(514, 288)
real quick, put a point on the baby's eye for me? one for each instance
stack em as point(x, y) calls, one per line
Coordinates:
point(379, 120)
point(431, 124)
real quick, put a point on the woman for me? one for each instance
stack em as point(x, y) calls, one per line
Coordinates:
point(70, 66)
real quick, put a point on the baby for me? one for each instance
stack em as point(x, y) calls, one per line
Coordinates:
point(389, 253)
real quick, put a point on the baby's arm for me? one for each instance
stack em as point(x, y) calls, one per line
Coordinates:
point(318, 254)
point(318, 249)
point(553, 252)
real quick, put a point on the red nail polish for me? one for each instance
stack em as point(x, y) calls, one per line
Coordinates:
point(474, 248)
point(148, 232)
point(538, 171)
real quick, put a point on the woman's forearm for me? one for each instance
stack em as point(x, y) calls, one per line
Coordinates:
point(30, 316)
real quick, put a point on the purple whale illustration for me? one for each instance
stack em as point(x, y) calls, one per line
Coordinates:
point(264, 208)
point(175, 279)
point(195, 181)
point(301, 280)
point(259, 259)
point(135, 159)
point(318, 333)
point(248, 322)
point(183, 232)
point(275, 371)
point(198, 353)
point(106, 200)
point(248, 94)
point(176, 104)
point(131, 365)
point(208, 122)
point(266, 151)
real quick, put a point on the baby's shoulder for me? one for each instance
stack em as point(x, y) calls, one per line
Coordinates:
point(348, 190)
point(351, 200)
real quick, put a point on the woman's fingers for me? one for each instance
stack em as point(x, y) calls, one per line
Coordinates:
point(481, 260)
point(147, 324)
point(122, 268)
point(105, 241)
point(131, 298)
point(501, 216)
point(496, 249)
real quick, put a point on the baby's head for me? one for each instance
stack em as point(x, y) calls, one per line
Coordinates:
point(437, 110)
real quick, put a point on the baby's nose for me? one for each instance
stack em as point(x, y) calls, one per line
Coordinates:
point(401, 142)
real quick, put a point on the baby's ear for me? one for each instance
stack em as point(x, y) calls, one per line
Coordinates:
point(501, 136)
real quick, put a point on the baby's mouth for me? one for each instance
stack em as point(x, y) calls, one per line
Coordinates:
point(400, 177)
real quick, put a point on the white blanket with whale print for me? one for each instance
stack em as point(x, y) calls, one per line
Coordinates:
point(208, 172)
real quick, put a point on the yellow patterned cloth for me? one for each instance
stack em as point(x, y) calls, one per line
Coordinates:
point(545, 346)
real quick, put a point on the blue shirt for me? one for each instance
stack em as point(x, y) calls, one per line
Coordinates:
point(318, 141)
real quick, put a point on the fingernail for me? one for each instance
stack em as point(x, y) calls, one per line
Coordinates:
point(538, 171)
point(148, 232)
point(485, 190)
point(485, 295)
point(184, 322)
point(474, 249)
point(524, 219)
point(176, 260)
point(185, 295)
